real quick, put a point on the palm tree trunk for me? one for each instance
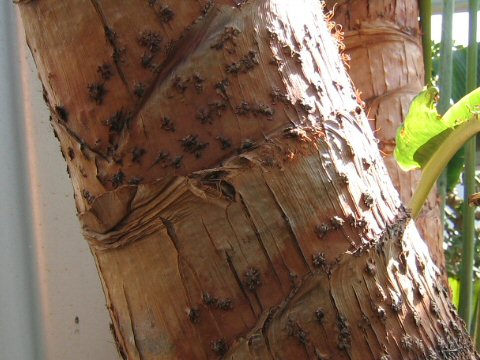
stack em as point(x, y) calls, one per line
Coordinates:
point(383, 40)
point(229, 185)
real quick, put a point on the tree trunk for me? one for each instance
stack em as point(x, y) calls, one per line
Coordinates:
point(229, 185)
point(383, 40)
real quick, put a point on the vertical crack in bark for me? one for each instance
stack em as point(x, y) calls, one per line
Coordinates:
point(103, 19)
point(259, 238)
point(365, 335)
point(286, 220)
point(172, 235)
point(240, 284)
point(132, 325)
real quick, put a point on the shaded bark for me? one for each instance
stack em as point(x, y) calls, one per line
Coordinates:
point(238, 208)
point(383, 40)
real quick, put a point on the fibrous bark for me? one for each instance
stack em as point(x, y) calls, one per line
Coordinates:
point(235, 204)
point(383, 41)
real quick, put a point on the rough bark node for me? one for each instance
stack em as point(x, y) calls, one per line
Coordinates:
point(383, 41)
point(283, 238)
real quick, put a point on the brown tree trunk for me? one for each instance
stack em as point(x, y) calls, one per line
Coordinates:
point(383, 40)
point(230, 187)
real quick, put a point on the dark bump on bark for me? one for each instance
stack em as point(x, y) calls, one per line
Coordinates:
point(434, 308)
point(139, 90)
point(397, 305)
point(381, 313)
point(305, 106)
point(167, 124)
point(106, 71)
point(118, 179)
point(417, 319)
point(208, 299)
point(242, 109)
point(366, 164)
point(345, 335)
point(221, 88)
point(225, 304)
point(367, 200)
point(295, 133)
point(278, 96)
point(192, 145)
point(71, 153)
point(228, 36)
point(194, 315)
point(118, 121)
point(219, 347)
point(225, 143)
point(166, 14)
point(322, 230)
point(247, 145)
point(137, 154)
point(150, 40)
point(177, 161)
point(370, 268)
point(88, 196)
point(244, 65)
point(320, 315)
point(343, 178)
point(97, 92)
point(135, 180)
point(252, 279)
point(62, 113)
point(295, 330)
point(179, 84)
point(319, 260)
point(198, 81)
point(337, 222)
point(263, 110)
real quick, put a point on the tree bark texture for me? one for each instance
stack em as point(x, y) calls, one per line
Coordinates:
point(229, 185)
point(383, 40)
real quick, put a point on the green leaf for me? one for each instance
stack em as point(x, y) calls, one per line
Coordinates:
point(424, 130)
point(455, 286)
point(421, 125)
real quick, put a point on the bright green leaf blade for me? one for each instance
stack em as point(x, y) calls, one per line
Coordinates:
point(455, 286)
point(422, 124)
point(423, 130)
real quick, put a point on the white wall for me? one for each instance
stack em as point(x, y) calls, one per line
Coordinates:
point(47, 274)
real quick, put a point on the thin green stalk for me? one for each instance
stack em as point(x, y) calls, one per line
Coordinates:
point(477, 324)
point(445, 68)
point(439, 160)
point(426, 24)
point(466, 270)
point(445, 84)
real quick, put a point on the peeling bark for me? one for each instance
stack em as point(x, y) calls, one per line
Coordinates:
point(239, 208)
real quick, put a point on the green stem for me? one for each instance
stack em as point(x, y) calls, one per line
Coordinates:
point(466, 269)
point(439, 160)
point(445, 84)
point(426, 24)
